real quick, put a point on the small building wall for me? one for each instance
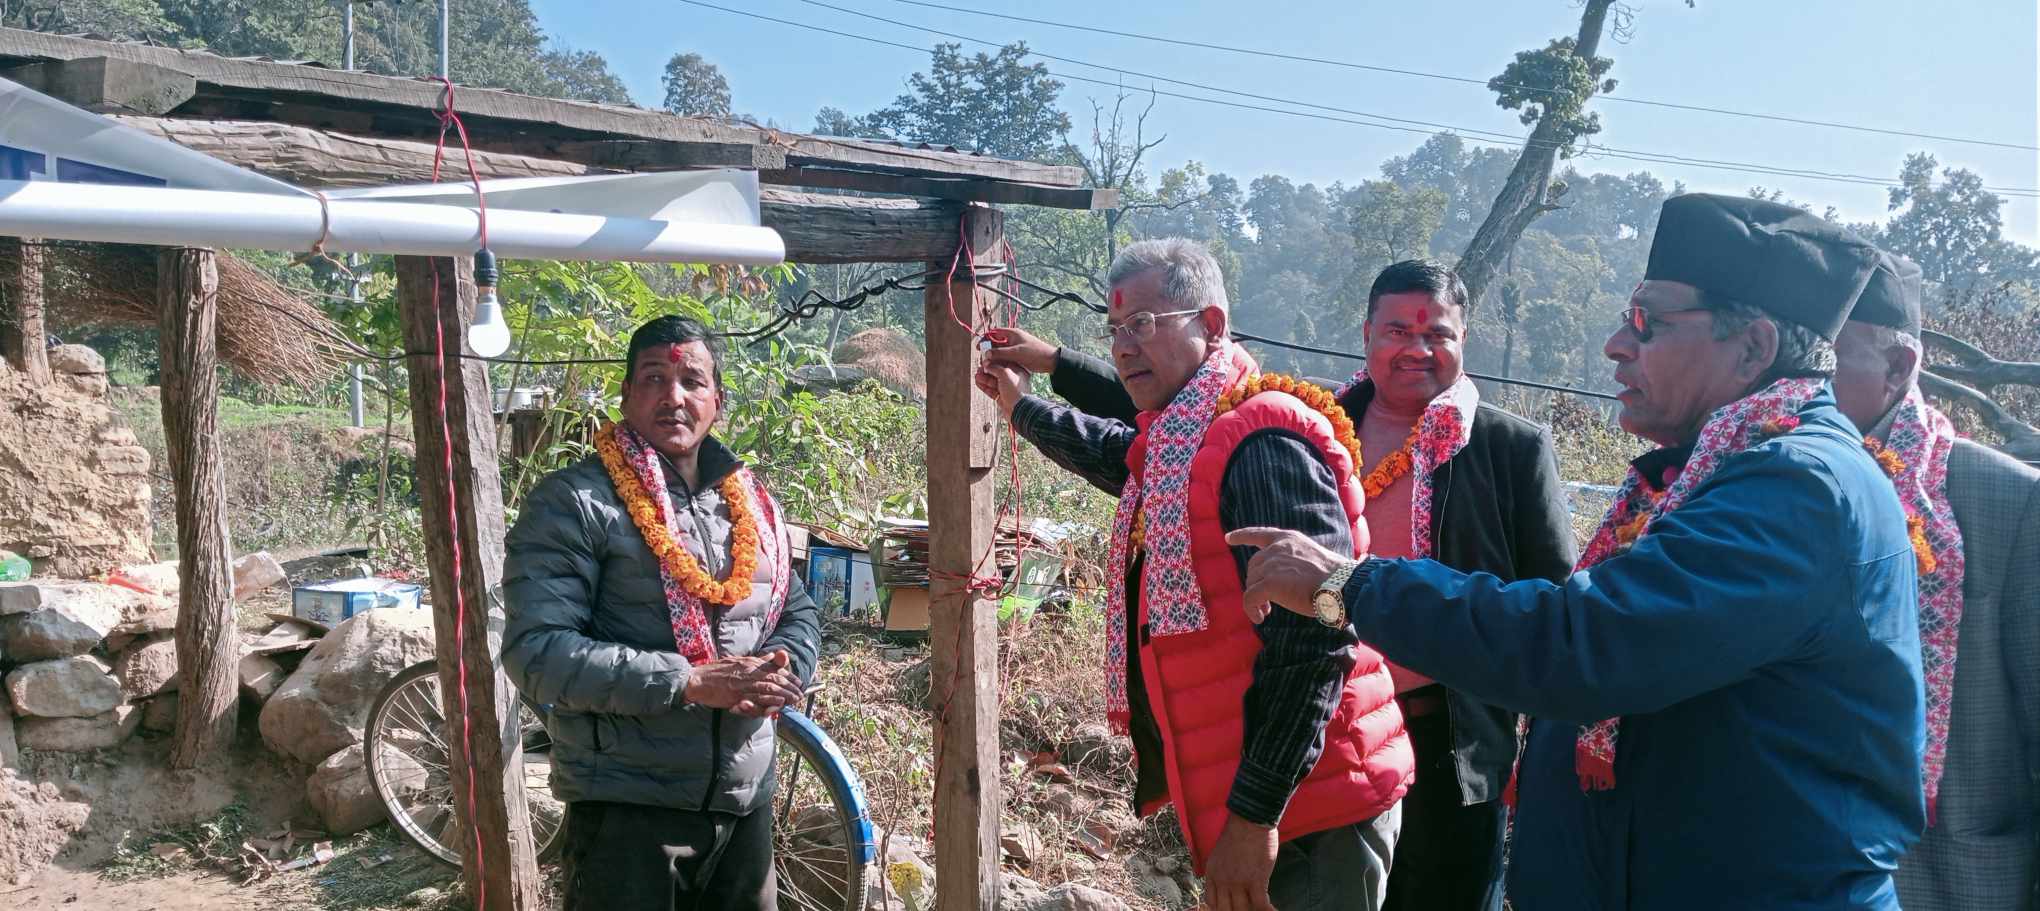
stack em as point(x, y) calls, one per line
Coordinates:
point(74, 483)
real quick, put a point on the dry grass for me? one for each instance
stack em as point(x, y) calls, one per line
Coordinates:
point(889, 357)
point(266, 332)
point(875, 703)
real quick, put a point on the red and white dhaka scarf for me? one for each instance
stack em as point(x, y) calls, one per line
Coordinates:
point(1161, 489)
point(1444, 429)
point(1923, 438)
point(691, 635)
point(1920, 436)
point(1732, 429)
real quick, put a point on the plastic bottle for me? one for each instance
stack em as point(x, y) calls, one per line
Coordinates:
point(13, 566)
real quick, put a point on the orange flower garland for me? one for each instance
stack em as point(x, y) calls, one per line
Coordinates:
point(1915, 526)
point(1384, 475)
point(1323, 402)
point(678, 562)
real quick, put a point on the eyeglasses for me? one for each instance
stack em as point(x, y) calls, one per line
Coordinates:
point(1139, 327)
point(1639, 319)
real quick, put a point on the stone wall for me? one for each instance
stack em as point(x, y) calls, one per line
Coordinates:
point(74, 484)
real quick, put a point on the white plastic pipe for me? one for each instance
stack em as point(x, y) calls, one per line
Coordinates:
point(214, 218)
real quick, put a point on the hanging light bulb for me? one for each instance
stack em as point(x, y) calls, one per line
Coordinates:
point(488, 336)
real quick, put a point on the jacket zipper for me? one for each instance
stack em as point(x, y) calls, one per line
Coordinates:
point(715, 716)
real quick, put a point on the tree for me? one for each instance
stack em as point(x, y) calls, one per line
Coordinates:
point(494, 43)
point(1390, 223)
point(833, 122)
point(1551, 88)
point(695, 87)
point(1952, 229)
point(136, 19)
point(581, 75)
point(994, 104)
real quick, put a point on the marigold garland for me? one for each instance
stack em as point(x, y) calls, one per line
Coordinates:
point(1322, 401)
point(678, 562)
point(1915, 525)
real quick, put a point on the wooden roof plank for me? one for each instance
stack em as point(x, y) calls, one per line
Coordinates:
point(404, 108)
point(958, 190)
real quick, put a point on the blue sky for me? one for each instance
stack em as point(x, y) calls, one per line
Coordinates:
point(1965, 70)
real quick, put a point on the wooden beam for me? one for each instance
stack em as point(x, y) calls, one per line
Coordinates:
point(463, 523)
point(816, 228)
point(985, 191)
point(644, 154)
point(23, 341)
point(208, 639)
point(850, 229)
point(108, 85)
point(396, 108)
point(897, 158)
point(963, 628)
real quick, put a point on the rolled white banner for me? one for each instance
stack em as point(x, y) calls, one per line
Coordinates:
point(263, 221)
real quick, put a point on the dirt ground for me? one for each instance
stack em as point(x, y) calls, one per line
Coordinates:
point(156, 838)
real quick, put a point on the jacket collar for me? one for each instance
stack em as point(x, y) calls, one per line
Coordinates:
point(715, 463)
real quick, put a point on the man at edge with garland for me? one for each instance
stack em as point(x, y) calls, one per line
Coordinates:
point(1727, 691)
point(651, 605)
point(1444, 475)
point(1978, 512)
point(1281, 745)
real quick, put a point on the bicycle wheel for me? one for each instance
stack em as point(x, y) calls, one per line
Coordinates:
point(408, 767)
point(821, 838)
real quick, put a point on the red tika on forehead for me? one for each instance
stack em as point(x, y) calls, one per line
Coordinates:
point(1423, 316)
point(1118, 297)
point(673, 353)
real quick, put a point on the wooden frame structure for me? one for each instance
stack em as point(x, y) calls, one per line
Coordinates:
point(315, 126)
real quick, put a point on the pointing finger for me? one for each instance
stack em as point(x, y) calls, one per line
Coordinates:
point(1261, 536)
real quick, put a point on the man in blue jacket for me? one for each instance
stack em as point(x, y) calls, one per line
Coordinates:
point(1727, 693)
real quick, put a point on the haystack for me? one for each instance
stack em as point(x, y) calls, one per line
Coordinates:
point(267, 332)
point(890, 358)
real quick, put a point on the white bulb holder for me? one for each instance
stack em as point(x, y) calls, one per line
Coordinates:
point(489, 335)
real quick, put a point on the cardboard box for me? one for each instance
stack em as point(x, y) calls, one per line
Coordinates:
point(331, 602)
point(906, 610)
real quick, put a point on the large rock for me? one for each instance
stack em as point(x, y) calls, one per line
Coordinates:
point(323, 707)
point(61, 628)
point(10, 749)
point(1066, 897)
point(340, 792)
point(148, 667)
point(160, 715)
point(116, 608)
point(76, 359)
point(76, 735)
point(261, 677)
point(79, 687)
point(253, 573)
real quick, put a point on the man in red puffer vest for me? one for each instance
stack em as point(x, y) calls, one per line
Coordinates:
point(1280, 745)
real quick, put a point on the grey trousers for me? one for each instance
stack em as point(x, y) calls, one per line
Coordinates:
point(1343, 869)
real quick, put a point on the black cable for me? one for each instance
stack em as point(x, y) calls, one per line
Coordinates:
point(1311, 349)
point(1470, 80)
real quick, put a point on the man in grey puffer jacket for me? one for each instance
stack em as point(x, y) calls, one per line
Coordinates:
point(664, 762)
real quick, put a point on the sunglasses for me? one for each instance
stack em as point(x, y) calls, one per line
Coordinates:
point(1641, 320)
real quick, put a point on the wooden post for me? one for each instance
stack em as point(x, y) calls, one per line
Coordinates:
point(208, 639)
point(438, 295)
point(22, 339)
point(963, 628)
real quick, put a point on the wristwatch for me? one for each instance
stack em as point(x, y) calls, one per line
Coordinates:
point(1329, 602)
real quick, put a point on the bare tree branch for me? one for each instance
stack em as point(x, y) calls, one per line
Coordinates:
point(1979, 368)
point(2022, 440)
